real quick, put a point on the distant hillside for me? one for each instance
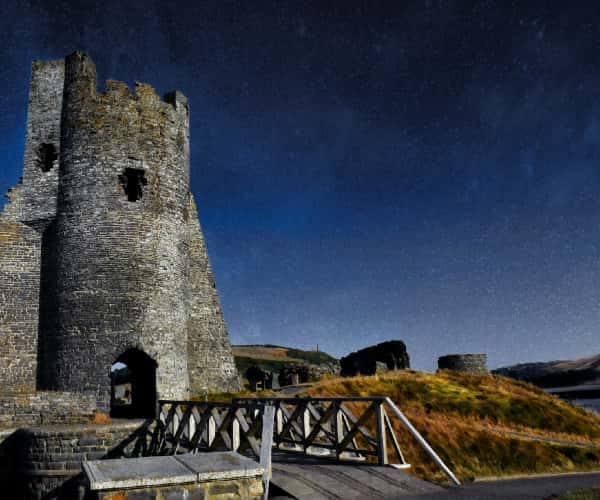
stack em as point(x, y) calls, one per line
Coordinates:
point(273, 357)
point(556, 373)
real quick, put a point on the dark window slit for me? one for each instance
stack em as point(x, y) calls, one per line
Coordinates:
point(133, 181)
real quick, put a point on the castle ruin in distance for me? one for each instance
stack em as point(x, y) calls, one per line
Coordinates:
point(102, 258)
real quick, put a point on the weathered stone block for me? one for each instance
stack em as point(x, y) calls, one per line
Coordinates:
point(148, 494)
point(218, 475)
point(225, 489)
point(88, 440)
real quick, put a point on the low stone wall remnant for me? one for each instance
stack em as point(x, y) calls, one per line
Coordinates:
point(468, 363)
point(45, 462)
point(300, 373)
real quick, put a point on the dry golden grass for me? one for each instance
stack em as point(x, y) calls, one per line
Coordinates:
point(465, 418)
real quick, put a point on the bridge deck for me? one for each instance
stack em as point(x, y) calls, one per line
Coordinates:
point(314, 478)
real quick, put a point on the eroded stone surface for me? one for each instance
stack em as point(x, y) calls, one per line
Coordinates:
point(205, 475)
point(38, 408)
point(220, 465)
point(137, 472)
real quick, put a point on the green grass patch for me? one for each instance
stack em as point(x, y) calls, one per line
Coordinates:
point(581, 494)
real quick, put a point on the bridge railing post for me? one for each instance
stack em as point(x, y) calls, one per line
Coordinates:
point(382, 455)
point(339, 429)
point(305, 428)
point(235, 434)
point(266, 443)
point(424, 444)
point(279, 423)
point(211, 431)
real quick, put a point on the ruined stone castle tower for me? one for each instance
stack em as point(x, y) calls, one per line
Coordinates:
point(102, 257)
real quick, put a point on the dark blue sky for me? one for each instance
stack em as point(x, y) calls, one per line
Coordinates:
point(365, 171)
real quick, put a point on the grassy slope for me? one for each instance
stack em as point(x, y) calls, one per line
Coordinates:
point(463, 417)
point(272, 358)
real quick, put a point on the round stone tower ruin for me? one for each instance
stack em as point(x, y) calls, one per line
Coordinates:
point(124, 272)
point(468, 363)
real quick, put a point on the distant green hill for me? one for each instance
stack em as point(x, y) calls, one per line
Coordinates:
point(555, 373)
point(273, 357)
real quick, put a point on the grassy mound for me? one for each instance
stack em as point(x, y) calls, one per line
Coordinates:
point(481, 425)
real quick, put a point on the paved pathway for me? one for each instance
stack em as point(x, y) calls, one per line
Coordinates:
point(535, 437)
point(293, 389)
point(533, 488)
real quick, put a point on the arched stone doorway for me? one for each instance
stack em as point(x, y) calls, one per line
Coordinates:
point(133, 385)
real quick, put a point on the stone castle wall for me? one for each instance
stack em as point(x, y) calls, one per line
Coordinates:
point(469, 363)
point(101, 250)
point(210, 360)
point(19, 297)
point(40, 407)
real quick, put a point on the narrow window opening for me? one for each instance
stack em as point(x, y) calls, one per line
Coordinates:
point(133, 181)
point(47, 155)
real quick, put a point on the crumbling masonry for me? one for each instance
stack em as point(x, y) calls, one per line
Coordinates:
point(102, 257)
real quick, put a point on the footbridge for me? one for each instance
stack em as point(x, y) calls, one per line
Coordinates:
point(312, 447)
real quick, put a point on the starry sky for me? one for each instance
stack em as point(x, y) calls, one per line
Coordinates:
point(364, 171)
